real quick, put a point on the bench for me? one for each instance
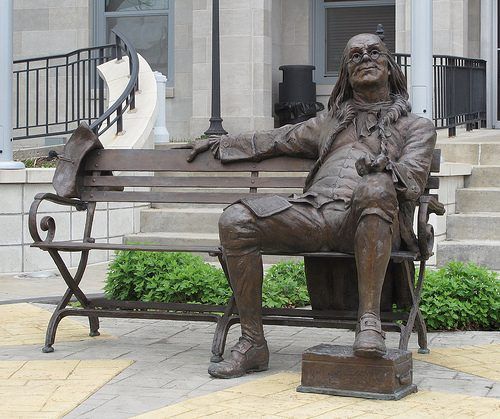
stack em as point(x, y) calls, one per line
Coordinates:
point(183, 182)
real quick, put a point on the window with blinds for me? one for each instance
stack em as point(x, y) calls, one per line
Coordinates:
point(148, 24)
point(340, 20)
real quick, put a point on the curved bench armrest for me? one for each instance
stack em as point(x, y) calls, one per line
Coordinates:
point(428, 204)
point(48, 223)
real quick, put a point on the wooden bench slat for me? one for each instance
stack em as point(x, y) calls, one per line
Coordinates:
point(432, 182)
point(175, 160)
point(436, 160)
point(195, 181)
point(67, 246)
point(166, 197)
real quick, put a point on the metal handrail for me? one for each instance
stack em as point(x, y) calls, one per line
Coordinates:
point(54, 94)
point(459, 91)
point(127, 98)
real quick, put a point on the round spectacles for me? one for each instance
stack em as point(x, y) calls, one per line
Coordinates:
point(374, 55)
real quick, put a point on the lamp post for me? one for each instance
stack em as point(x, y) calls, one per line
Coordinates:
point(6, 155)
point(215, 120)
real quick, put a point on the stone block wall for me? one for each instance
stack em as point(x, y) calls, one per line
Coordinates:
point(179, 101)
point(18, 188)
point(246, 59)
point(456, 27)
point(451, 178)
point(291, 37)
point(48, 27)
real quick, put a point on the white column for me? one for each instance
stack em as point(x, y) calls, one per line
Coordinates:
point(6, 156)
point(421, 57)
point(161, 132)
point(489, 53)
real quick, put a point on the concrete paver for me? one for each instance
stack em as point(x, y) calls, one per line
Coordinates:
point(25, 324)
point(475, 360)
point(17, 287)
point(51, 388)
point(170, 359)
point(275, 396)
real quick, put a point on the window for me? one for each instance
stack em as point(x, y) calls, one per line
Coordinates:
point(147, 23)
point(337, 20)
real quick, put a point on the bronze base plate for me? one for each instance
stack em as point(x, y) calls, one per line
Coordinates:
point(334, 369)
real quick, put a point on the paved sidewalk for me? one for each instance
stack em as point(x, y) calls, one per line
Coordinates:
point(158, 369)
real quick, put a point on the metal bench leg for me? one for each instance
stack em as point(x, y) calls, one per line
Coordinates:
point(94, 326)
point(422, 334)
point(73, 289)
point(221, 331)
point(56, 317)
point(226, 321)
point(415, 291)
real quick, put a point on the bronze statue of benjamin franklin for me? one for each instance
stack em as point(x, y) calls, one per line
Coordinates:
point(372, 161)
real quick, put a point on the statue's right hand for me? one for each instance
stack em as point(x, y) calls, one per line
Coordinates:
point(200, 146)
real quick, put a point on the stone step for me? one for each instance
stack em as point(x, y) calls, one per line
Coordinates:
point(482, 252)
point(484, 176)
point(184, 220)
point(478, 226)
point(194, 239)
point(478, 200)
point(220, 207)
point(473, 152)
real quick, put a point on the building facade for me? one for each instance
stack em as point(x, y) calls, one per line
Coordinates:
point(256, 38)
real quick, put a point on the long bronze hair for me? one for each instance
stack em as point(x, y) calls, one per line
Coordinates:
point(342, 90)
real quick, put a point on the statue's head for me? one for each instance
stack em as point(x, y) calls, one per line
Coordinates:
point(366, 61)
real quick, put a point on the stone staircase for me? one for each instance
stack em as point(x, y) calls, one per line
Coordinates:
point(179, 224)
point(182, 224)
point(473, 232)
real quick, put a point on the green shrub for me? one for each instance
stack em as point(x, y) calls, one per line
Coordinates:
point(183, 277)
point(458, 296)
point(285, 286)
point(461, 296)
point(165, 277)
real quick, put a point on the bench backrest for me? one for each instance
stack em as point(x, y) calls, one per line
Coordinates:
point(205, 180)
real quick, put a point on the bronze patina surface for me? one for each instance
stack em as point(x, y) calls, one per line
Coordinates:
point(372, 159)
point(334, 369)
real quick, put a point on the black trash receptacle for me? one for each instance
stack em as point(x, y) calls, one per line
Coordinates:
point(297, 95)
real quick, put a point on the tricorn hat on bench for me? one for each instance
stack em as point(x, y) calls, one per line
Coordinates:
point(67, 179)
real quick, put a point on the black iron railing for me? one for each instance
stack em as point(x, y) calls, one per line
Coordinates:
point(459, 96)
point(53, 95)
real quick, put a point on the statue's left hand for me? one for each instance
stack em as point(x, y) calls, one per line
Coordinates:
point(380, 163)
point(365, 165)
point(200, 146)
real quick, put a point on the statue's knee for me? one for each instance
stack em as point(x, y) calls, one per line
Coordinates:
point(236, 214)
point(236, 222)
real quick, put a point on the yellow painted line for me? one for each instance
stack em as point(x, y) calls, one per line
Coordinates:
point(480, 360)
point(275, 397)
point(26, 324)
point(51, 389)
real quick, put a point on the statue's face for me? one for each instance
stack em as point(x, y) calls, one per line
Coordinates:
point(367, 62)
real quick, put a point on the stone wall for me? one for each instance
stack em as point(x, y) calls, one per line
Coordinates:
point(18, 188)
point(451, 177)
point(246, 58)
point(179, 102)
point(456, 27)
point(48, 27)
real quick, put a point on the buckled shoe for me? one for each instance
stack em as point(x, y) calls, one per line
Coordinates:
point(369, 341)
point(245, 357)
